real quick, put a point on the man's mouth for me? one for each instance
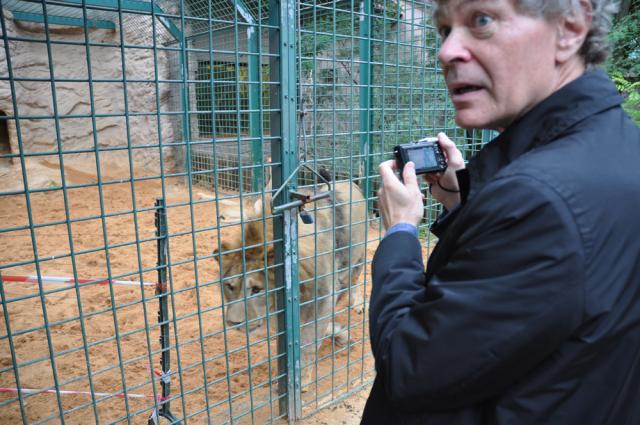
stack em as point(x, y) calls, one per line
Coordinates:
point(465, 89)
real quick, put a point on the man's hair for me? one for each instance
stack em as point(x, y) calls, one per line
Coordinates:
point(595, 48)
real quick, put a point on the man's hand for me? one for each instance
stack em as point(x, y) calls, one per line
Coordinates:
point(447, 180)
point(400, 201)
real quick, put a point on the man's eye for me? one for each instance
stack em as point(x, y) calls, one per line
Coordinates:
point(481, 20)
point(444, 32)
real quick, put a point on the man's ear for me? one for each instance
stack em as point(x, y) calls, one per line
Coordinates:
point(572, 31)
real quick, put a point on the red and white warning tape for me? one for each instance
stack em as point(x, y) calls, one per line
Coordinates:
point(70, 281)
point(52, 391)
point(164, 376)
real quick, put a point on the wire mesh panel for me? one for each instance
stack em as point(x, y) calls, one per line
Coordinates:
point(368, 79)
point(229, 63)
point(187, 208)
point(409, 98)
point(113, 300)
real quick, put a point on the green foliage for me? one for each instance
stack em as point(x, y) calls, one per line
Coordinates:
point(623, 65)
point(631, 92)
point(625, 42)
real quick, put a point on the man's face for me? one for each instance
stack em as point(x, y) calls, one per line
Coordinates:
point(498, 63)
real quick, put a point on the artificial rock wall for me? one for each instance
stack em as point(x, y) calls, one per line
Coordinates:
point(70, 98)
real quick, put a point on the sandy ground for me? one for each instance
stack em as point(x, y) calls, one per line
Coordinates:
point(106, 336)
point(345, 412)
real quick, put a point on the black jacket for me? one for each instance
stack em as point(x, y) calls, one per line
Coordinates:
point(529, 311)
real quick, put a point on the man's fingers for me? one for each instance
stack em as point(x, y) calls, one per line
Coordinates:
point(450, 150)
point(389, 166)
point(409, 176)
point(393, 164)
point(389, 178)
point(444, 140)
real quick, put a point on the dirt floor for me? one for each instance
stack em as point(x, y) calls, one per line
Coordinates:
point(345, 412)
point(107, 336)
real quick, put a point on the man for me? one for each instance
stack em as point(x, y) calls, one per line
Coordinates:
point(529, 310)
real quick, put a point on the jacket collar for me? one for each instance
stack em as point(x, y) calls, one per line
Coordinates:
point(587, 95)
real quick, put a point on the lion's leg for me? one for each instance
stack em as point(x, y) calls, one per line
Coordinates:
point(357, 297)
point(339, 333)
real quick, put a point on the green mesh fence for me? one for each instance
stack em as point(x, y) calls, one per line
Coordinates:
point(155, 266)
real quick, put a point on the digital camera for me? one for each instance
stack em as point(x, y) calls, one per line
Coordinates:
point(425, 154)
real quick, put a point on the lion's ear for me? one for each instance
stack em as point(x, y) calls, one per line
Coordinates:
point(229, 211)
point(267, 180)
point(267, 195)
point(254, 233)
point(254, 205)
point(228, 243)
point(223, 247)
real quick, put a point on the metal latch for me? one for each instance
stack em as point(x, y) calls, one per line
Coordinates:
point(301, 199)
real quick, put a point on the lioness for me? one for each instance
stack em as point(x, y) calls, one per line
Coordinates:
point(249, 278)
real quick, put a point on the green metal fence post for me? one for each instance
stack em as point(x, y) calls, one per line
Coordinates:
point(365, 100)
point(284, 152)
point(184, 98)
point(253, 65)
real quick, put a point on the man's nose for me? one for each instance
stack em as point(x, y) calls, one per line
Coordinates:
point(454, 48)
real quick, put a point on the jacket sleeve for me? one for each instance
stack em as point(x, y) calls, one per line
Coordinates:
point(509, 294)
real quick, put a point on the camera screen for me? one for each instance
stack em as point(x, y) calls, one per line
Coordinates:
point(423, 157)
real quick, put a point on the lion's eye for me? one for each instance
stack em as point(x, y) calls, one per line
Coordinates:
point(255, 290)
